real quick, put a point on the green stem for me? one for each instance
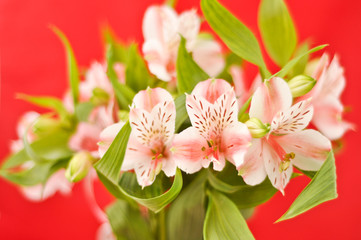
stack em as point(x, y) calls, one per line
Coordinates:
point(162, 231)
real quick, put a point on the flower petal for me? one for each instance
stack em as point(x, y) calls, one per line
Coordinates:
point(86, 138)
point(107, 136)
point(293, 119)
point(279, 178)
point(200, 112)
point(273, 96)
point(188, 25)
point(187, 150)
point(225, 111)
point(328, 118)
point(149, 98)
point(208, 55)
point(211, 89)
point(159, 23)
point(163, 115)
point(252, 170)
point(309, 146)
point(235, 141)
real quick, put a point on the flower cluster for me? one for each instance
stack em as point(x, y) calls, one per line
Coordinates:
point(281, 124)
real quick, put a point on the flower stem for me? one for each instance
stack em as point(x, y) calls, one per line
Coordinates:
point(162, 231)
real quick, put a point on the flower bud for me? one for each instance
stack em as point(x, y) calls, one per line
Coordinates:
point(301, 84)
point(100, 97)
point(79, 166)
point(45, 124)
point(257, 128)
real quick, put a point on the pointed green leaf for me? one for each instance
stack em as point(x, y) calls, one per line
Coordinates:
point(300, 66)
point(322, 188)
point(188, 72)
point(222, 186)
point(136, 72)
point(110, 164)
point(247, 196)
point(156, 196)
point(73, 72)
point(186, 214)
point(51, 147)
point(234, 33)
point(288, 67)
point(46, 102)
point(277, 30)
point(223, 220)
point(83, 110)
point(182, 115)
point(127, 221)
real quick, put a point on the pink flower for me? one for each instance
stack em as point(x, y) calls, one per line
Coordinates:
point(107, 136)
point(238, 78)
point(287, 143)
point(56, 183)
point(105, 232)
point(216, 134)
point(326, 98)
point(161, 29)
point(86, 138)
point(24, 123)
point(152, 119)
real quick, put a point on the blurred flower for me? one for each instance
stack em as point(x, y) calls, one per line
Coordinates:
point(216, 134)
point(326, 96)
point(240, 89)
point(152, 118)
point(56, 183)
point(105, 232)
point(24, 127)
point(162, 28)
point(287, 143)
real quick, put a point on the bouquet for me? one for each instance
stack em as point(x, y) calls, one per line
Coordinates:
point(175, 135)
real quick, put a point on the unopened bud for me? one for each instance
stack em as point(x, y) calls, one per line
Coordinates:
point(100, 97)
point(123, 115)
point(257, 128)
point(301, 84)
point(79, 166)
point(45, 124)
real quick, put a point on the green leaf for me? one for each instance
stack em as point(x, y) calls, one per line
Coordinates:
point(127, 222)
point(288, 67)
point(322, 188)
point(300, 66)
point(136, 72)
point(188, 72)
point(231, 60)
point(46, 102)
point(110, 164)
point(222, 186)
point(83, 110)
point(186, 214)
point(51, 147)
point(235, 34)
point(223, 219)
point(154, 197)
point(28, 177)
point(118, 53)
point(73, 72)
point(181, 111)
point(277, 30)
point(247, 196)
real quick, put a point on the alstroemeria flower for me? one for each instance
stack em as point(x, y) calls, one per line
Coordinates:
point(152, 119)
point(326, 98)
point(242, 93)
point(22, 128)
point(56, 183)
point(215, 135)
point(161, 29)
point(287, 143)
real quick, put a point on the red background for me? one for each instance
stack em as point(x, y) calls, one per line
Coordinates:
point(32, 61)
